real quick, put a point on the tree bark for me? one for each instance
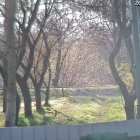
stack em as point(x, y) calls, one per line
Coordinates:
point(26, 95)
point(18, 103)
point(47, 97)
point(4, 97)
point(47, 93)
point(129, 108)
point(10, 10)
point(4, 76)
point(38, 98)
point(58, 69)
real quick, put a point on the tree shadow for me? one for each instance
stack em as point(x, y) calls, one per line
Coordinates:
point(37, 119)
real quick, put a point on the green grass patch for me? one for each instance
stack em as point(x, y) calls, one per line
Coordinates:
point(75, 109)
point(38, 118)
point(88, 109)
point(2, 119)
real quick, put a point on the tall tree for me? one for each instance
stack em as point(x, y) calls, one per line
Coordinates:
point(124, 25)
point(115, 16)
point(10, 10)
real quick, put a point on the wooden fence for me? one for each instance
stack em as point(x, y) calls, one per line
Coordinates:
point(68, 132)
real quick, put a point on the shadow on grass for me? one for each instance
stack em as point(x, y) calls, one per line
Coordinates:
point(69, 119)
point(37, 119)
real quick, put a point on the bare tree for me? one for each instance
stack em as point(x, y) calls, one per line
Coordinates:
point(120, 8)
point(115, 16)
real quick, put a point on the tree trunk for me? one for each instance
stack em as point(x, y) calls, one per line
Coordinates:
point(37, 87)
point(4, 76)
point(129, 109)
point(27, 100)
point(129, 104)
point(4, 97)
point(58, 69)
point(10, 10)
point(47, 93)
point(38, 98)
point(26, 96)
point(18, 102)
point(128, 99)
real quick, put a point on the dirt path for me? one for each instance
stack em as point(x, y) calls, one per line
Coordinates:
point(102, 91)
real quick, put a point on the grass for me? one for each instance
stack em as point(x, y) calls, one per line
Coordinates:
point(2, 119)
point(38, 118)
point(73, 109)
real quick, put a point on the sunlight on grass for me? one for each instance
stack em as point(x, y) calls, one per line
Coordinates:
point(116, 110)
point(2, 119)
point(89, 110)
point(75, 110)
